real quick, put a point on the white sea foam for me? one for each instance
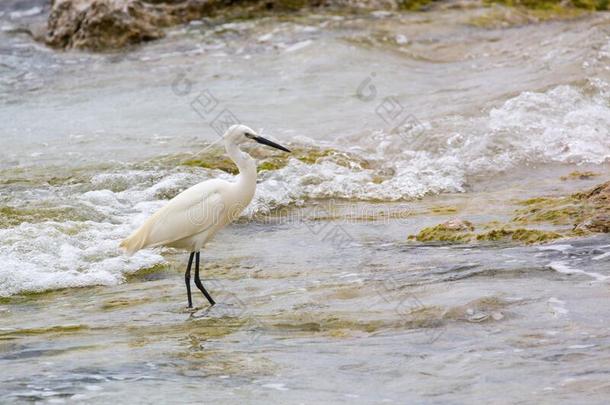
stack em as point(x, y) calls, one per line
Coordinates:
point(562, 267)
point(44, 256)
point(561, 125)
point(559, 248)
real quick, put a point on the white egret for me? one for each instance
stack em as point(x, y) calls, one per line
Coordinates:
point(191, 218)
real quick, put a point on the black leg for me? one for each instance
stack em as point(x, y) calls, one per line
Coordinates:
point(198, 281)
point(187, 279)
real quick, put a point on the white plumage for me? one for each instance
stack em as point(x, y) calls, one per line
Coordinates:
point(191, 218)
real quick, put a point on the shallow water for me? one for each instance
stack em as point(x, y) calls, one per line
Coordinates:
point(385, 321)
point(321, 296)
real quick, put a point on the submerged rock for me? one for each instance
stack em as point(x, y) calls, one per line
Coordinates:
point(454, 230)
point(13, 216)
point(578, 175)
point(445, 233)
point(596, 207)
point(584, 212)
point(524, 235)
point(213, 159)
point(269, 160)
point(483, 309)
point(510, 13)
point(598, 223)
point(557, 211)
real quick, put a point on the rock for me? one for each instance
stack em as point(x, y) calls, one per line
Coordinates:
point(100, 24)
point(599, 223)
point(480, 310)
point(558, 211)
point(454, 230)
point(578, 175)
point(599, 195)
point(269, 160)
point(527, 236)
point(458, 231)
point(497, 316)
point(587, 211)
point(111, 24)
point(457, 224)
point(596, 205)
point(478, 317)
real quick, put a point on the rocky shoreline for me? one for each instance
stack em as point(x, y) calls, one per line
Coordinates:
point(99, 25)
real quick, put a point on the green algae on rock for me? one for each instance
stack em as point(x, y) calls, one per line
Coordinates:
point(415, 5)
point(444, 233)
point(13, 216)
point(558, 211)
point(443, 210)
point(213, 161)
point(51, 330)
point(527, 236)
point(148, 272)
point(338, 327)
point(582, 213)
point(585, 211)
point(270, 161)
point(503, 16)
point(115, 304)
point(599, 5)
point(455, 230)
point(596, 204)
point(578, 175)
point(312, 156)
point(270, 165)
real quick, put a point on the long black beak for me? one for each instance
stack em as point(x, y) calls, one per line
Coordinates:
point(267, 142)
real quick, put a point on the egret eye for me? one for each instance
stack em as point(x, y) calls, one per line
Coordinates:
point(249, 135)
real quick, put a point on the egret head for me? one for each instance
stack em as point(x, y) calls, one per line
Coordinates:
point(240, 134)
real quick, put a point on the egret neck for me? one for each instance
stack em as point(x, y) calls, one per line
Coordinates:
point(246, 180)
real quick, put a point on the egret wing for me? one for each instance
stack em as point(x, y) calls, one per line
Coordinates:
point(191, 212)
point(181, 219)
